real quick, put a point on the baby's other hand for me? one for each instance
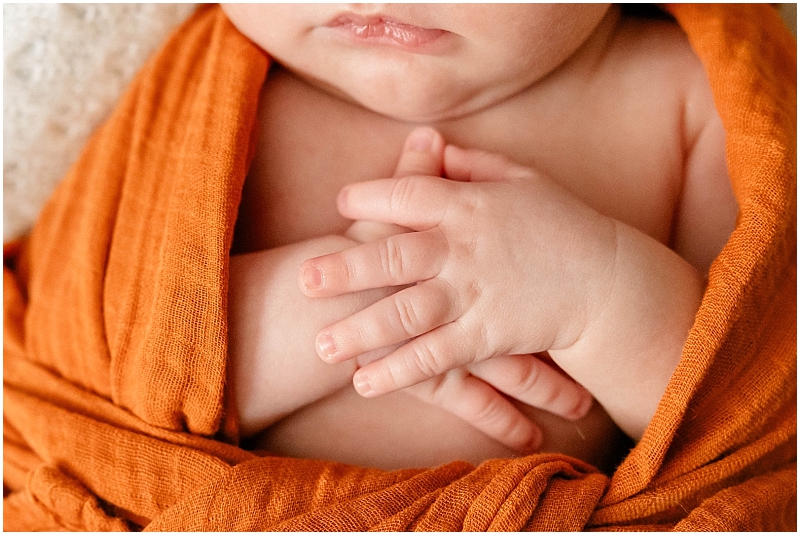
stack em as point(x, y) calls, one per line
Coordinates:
point(474, 393)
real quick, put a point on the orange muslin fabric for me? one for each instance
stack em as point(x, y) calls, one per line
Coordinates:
point(115, 407)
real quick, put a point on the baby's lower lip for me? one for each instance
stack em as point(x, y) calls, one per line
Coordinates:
point(385, 31)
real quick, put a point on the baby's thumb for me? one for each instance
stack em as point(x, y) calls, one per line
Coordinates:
point(422, 154)
point(481, 166)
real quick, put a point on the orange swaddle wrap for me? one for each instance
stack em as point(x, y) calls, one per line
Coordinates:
point(116, 414)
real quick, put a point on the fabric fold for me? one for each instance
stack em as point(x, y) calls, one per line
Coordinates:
point(116, 413)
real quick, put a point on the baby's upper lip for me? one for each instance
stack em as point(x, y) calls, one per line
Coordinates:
point(384, 30)
point(345, 18)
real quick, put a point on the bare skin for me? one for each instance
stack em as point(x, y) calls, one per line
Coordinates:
point(635, 145)
point(470, 395)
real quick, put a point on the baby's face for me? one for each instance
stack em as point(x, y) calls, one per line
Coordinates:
point(419, 62)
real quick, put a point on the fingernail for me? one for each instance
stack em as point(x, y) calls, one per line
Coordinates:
point(534, 443)
point(362, 385)
point(312, 278)
point(326, 345)
point(584, 406)
point(420, 140)
point(341, 199)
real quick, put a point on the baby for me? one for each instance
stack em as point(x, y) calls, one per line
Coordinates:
point(566, 194)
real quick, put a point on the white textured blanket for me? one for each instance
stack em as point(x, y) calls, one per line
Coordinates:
point(64, 67)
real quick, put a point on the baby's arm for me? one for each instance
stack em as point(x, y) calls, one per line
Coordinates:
point(706, 214)
point(272, 326)
point(271, 329)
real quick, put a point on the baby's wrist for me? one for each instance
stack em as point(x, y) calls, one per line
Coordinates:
point(594, 284)
point(634, 338)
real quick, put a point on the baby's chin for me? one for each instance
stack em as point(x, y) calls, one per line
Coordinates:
point(412, 103)
point(420, 111)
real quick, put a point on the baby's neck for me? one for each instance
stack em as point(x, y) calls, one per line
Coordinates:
point(575, 126)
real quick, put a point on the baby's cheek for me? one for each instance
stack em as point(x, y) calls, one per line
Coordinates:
point(273, 27)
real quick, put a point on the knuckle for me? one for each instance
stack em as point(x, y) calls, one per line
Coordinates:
point(436, 391)
point(530, 378)
point(477, 334)
point(424, 361)
point(407, 316)
point(471, 245)
point(533, 379)
point(482, 339)
point(585, 405)
point(490, 414)
point(549, 396)
point(468, 204)
point(458, 301)
point(436, 307)
point(472, 292)
point(360, 333)
point(414, 163)
point(391, 256)
point(400, 197)
point(348, 268)
point(391, 377)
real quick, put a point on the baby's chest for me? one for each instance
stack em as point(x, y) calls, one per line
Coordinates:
point(311, 145)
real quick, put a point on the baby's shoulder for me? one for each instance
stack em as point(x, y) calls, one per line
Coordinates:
point(655, 55)
point(654, 47)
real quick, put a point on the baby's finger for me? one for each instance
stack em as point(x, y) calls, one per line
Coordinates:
point(416, 202)
point(479, 166)
point(422, 154)
point(394, 261)
point(483, 407)
point(529, 380)
point(364, 231)
point(401, 316)
point(438, 351)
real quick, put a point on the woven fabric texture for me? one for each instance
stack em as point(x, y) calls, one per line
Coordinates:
point(115, 410)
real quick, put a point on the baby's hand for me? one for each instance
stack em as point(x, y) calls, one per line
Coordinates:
point(473, 393)
point(507, 264)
